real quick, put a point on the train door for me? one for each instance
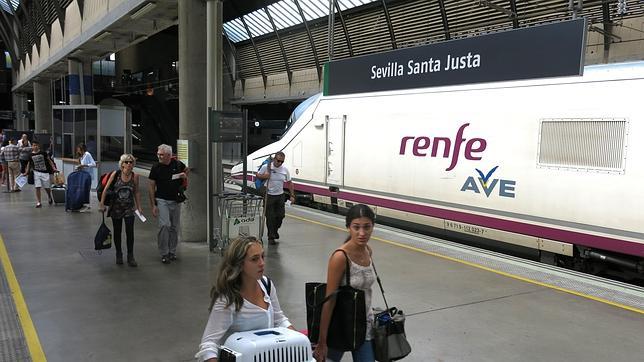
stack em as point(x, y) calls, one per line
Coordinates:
point(335, 126)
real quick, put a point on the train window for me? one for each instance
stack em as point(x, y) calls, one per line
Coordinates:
point(583, 144)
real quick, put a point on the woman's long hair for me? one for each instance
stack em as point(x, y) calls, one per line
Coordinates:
point(357, 211)
point(229, 278)
point(83, 148)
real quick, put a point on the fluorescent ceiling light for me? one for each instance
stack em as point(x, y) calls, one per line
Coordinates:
point(102, 35)
point(143, 10)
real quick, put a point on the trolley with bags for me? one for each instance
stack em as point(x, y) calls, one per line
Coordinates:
point(266, 345)
point(240, 214)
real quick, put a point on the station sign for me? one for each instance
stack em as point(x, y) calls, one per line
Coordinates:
point(552, 50)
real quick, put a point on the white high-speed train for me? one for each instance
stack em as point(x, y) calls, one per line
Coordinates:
point(552, 164)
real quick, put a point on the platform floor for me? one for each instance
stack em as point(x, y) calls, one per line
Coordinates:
point(86, 308)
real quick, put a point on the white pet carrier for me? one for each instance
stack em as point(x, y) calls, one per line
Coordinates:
point(267, 345)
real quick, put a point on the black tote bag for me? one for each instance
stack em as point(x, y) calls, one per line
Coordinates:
point(103, 238)
point(348, 326)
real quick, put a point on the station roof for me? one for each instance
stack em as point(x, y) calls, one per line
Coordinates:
point(272, 36)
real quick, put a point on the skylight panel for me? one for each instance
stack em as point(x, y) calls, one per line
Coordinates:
point(285, 14)
point(310, 11)
point(235, 30)
point(258, 23)
point(5, 6)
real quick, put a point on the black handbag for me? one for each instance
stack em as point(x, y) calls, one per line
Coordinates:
point(348, 326)
point(389, 338)
point(103, 238)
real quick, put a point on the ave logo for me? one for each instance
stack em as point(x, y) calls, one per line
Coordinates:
point(505, 188)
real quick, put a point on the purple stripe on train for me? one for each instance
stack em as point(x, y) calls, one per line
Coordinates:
point(573, 237)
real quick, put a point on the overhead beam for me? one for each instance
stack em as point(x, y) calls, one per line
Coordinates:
point(41, 16)
point(441, 6)
point(308, 32)
point(15, 38)
point(259, 59)
point(494, 6)
point(281, 44)
point(81, 7)
point(608, 26)
point(234, 51)
point(29, 26)
point(60, 13)
point(230, 71)
point(513, 8)
point(344, 27)
point(6, 38)
point(389, 25)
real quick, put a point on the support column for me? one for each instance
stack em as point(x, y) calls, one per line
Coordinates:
point(74, 68)
point(20, 107)
point(192, 114)
point(214, 95)
point(42, 106)
point(88, 85)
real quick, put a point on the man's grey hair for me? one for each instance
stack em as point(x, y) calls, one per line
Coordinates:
point(165, 149)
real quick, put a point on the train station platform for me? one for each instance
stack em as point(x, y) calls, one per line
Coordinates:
point(62, 301)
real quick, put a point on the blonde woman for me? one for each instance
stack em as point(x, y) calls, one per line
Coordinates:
point(123, 186)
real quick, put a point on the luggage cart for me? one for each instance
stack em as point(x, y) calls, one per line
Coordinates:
point(240, 214)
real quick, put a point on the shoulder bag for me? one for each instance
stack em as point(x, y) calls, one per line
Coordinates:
point(389, 339)
point(348, 326)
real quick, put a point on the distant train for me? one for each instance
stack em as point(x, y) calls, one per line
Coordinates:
point(552, 164)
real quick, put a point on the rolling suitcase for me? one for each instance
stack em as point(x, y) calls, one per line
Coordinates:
point(58, 194)
point(78, 186)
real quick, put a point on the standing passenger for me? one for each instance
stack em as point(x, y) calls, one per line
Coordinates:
point(25, 154)
point(11, 154)
point(43, 167)
point(86, 162)
point(85, 159)
point(242, 299)
point(24, 141)
point(125, 201)
point(166, 177)
point(276, 174)
point(359, 222)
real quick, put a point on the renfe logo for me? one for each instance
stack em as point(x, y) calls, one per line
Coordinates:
point(422, 143)
point(506, 187)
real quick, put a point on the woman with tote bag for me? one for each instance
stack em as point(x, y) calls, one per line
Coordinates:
point(355, 254)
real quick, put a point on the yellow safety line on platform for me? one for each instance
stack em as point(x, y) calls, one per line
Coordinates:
point(597, 299)
point(33, 343)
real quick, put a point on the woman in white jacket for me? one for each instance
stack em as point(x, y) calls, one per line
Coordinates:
point(242, 298)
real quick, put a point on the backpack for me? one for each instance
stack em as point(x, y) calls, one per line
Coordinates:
point(102, 183)
point(258, 181)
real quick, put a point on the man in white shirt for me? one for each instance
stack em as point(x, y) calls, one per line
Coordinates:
point(276, 175)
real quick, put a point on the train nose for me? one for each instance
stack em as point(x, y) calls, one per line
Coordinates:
point(238, 168)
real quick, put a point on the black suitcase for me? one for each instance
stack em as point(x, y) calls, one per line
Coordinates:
point(58, 193)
